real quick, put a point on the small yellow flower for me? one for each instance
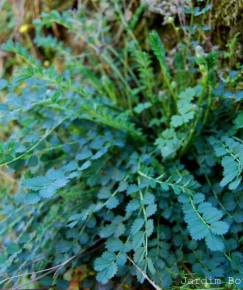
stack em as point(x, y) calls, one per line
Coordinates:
point(23, 85)
point(24, 28)
point(46, 63)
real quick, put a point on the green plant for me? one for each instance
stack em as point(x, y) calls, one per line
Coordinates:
point(125, 161)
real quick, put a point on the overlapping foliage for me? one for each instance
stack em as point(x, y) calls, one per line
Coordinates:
point(127, 160)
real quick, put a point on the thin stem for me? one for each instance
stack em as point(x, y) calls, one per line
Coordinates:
point(32, 147)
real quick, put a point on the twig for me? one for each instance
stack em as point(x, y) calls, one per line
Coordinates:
point(41, 271)
point(144, 275)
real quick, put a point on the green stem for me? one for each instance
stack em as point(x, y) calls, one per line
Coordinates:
point(32, 147)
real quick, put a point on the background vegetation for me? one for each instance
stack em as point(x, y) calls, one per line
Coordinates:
point(121, 151)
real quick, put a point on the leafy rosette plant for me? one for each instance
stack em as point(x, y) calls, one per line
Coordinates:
point(134, 170)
